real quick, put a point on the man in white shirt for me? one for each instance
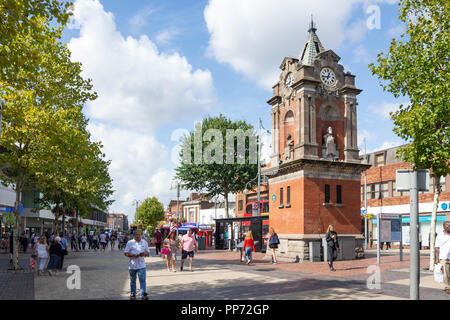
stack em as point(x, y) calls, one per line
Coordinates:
point(136, 250)
point(443, 254)
point(103, 241)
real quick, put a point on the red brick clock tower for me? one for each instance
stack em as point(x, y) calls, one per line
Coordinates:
point(315, 171)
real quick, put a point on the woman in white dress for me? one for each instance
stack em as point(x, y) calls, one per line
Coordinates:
point(41, 248)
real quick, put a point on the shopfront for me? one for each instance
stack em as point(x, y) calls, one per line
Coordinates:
point(424, 229)
point(230, 232)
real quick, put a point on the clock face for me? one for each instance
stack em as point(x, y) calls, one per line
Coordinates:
point(328, 77)
point(289, 80)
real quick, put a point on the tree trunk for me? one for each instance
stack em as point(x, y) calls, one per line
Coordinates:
point(78, 229)
point(437, 192)
point(63, 229)
point(18, 190)
point(226, 204)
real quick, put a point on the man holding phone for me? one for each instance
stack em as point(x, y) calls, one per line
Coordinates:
point(137, 249)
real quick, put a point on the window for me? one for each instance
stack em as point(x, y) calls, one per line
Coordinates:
point(379, 160)
point(288, 195)
point(327, 193)
point(395, 193)
point(281, 196)
point(339, 194)
point(240, 205)
point(385, 190)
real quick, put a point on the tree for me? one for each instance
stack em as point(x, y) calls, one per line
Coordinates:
point(417, 67)
point(217, 167)
point(150, 213)
point(41, 110)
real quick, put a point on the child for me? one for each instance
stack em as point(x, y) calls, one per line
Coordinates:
point(33, 261)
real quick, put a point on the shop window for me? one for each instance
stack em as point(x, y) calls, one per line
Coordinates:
point(339, 194)
point(240, 205)
point(327, 193)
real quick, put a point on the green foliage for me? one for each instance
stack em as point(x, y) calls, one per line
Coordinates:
point(150, 213)
point(417, 67)
point(222, 178)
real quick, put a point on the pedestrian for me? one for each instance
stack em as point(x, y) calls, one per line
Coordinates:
point(136, 250)
point(187, 249)
point(41, 248)
point(24, 243)
point(95, 241)
point(103, 241)
point(249, 246)
point(333, 246)
point(63, 244)
point(83, 241)
point(73, 242)
point(89, 238)
point(157, 236)
point(273, 244)
point(56, 254)
point(170, 248)
point(442, 254)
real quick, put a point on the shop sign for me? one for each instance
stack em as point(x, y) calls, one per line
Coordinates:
point(274, 197)
point(445, 206)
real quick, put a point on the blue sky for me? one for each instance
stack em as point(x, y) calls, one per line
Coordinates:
point(160, 65)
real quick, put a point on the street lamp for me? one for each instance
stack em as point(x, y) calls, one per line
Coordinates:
point(176, 185)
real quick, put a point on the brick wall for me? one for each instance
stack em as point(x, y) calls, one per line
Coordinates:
point(308, 215)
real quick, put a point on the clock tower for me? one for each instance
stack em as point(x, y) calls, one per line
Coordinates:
point(315, 171)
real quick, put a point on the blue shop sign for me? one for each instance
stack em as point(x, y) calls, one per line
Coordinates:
point(421, 219)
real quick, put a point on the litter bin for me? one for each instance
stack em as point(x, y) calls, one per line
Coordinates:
point(347, 245)
point(201, 242)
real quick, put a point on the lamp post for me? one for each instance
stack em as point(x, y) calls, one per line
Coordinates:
point(176, 184)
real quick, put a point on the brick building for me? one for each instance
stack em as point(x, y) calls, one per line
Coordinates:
point(382, 196)
point(192, 206)
point(315, 170)
point(174, 209)
point(118, 222)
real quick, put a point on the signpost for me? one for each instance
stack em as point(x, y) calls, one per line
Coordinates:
point(413, 181)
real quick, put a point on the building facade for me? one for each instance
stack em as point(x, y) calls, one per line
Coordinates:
point(192, 206)
point(118, 222)
point(382, 196)
point(315, 170)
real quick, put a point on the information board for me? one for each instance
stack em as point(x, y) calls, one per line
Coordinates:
point(391, 228)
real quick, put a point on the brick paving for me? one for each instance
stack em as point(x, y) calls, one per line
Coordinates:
point(16, 285)
point(219, 275)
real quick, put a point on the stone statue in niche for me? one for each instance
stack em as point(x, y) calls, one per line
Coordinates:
point(288, 148)
point(330, 145)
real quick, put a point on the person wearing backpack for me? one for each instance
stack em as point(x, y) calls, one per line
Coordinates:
point(273, 244)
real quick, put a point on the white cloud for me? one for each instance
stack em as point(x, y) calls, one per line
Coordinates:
point(386, 145)
point(253, 36)
point(165, 36)
point(140, 19)
point(138, 86)
point(385, 108)
point(137, 165)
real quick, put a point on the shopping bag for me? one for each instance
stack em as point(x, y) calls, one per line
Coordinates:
point(438, 275)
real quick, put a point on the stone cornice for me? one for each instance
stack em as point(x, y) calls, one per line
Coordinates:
point(274, 100)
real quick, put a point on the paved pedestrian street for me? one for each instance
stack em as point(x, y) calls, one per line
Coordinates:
point(220, 275)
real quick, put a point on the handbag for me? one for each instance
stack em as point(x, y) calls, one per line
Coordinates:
point(65, 253)
point(165, 251)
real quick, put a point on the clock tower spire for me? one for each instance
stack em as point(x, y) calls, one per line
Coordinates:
point(312, 47)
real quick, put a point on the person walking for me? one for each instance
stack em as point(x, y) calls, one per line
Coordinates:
point(95, 241)
point(63, 244)
point(157, 237)
point(73, 242)
point(41, 248)
point(442, 254)
point(332, 246)
point(187, 249)
point(83, 241)
point(172, 245)
point(273, 244)
point(103, 241)
point(137, 249)
point(249, 246)
point(56, 253)
point(24, 243)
